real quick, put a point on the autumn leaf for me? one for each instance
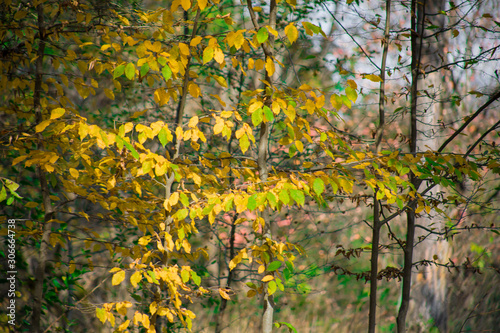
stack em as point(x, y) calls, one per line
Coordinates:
point(119, 70)
point(136, 278)
point(291, 32)
point(267, 278)
point(57, 113)
point(224, 294)
point(372, 77)
point(130, 71)
point(262, 35)
point(118, 278)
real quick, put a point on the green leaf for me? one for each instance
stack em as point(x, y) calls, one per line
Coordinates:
point(3, 194)
point(298, 196)
point(196, 278)
point(144, 69)
point(12, 186)
point(280, 284)
point(130, 71)
point(351, 94)
point(128, 145)
point(182, 214)
point(274, 266)
point(257, 117)
point(346, 101)
point(287, 274)
point(271, 198)
point(162, 135)
point(284, 197)
point(262, 35)
point(271, 287)
point(268, 114)
point(184, 199)
point(185, 276)
point(166, 72)
point(119, 70)
point(252, 202)
point(318, 186)
point(153, 276)
point(291, 329)
point(251, 285)
point(208, 54)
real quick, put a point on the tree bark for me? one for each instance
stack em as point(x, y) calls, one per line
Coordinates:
point(372, 315)
point(44, 187)
point(268, 300)
point(416, 30)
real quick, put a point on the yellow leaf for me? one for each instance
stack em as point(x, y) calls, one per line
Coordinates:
point(219, 55)
point(202, 4)
point(259, 64)
point(291, 32)
point(193, 122)
point(186, 4)
point(80, 17)
point(40, 127)
point(136, 278)
point(57, 113)
point(124, 325)
point(194, 90)
point(153, 307)
point(352, 84)
point(101, 314)
point(224, 294)
point(220, 80)
point(208, 54)
point(118, 278)
point(161, 97)
point(174, 199)
point(219, 126)
point(72, 267)
point(20, 14)
point(269, 66)
point(160, 169)
point(267, 278)
point(121, 307)
point(184, 48)
point(19, 159)
point(372, 77)
point(109, 93)
point(197, 40)
point(145, 320)
point(251, 293)
point(74, 173)
point(111, 183)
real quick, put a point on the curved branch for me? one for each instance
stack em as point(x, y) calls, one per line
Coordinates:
point(471, 118)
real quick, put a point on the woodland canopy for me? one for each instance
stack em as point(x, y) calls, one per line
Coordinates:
point(250, 166)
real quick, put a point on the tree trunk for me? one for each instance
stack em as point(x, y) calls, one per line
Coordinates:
point(427, 283)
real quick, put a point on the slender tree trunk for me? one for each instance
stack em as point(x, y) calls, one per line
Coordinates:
point(428, 301)
point(268, 48)
point(230, 276)
point(44, 187)
point(372, 316)
point(410, 213)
